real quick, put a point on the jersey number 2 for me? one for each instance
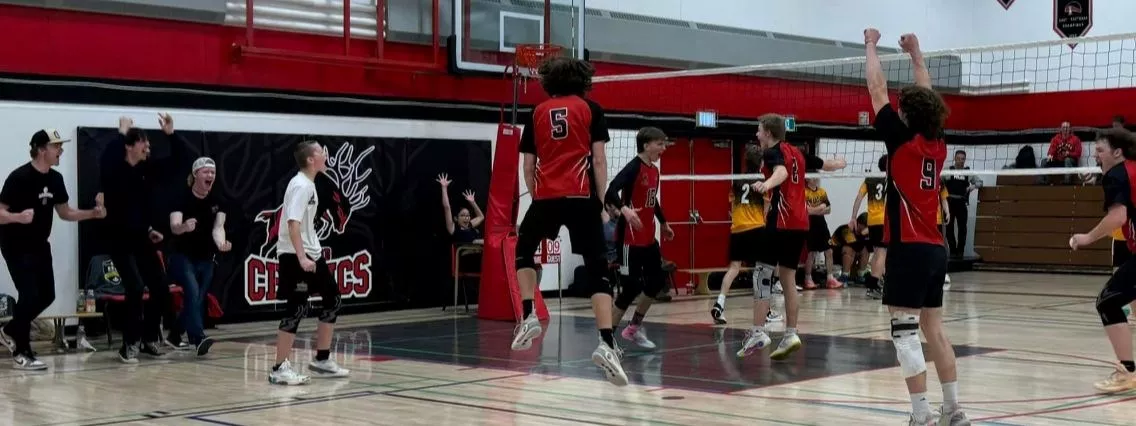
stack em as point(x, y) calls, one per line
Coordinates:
point(927, 181)
point(559, 119)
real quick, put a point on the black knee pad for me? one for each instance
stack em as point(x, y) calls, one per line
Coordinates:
point(295, 309)
point(525, 251)
point(628, 295)
point(597, 276)
point(1111, 309)
point(331, 308)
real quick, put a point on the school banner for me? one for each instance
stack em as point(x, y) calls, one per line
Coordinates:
point(379, 218)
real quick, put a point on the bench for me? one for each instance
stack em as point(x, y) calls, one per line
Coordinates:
point(60, 323)
point(702, 277)
point(109, 299)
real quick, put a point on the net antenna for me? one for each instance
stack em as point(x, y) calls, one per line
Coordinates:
point(525, 66)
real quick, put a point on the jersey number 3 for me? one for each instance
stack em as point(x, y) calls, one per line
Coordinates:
point(927, 180)
point(559, 119)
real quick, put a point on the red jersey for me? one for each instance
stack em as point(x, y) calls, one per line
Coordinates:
point(561, 136)
point(788, 210)
point(637, 187)
point(911, 209)
point(1120, 188)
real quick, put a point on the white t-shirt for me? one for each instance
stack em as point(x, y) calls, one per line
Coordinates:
point(300, 201)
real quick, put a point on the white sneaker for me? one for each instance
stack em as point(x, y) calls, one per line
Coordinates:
point(777, 289)
point(636, 334)
point(789, 344)
point(952, 418)
point(607, 359)
point(774, 316)
point(327, 369)
point(286, 376)
point(755, 341)
point(525, 332)
point(28, 362)
point(7, 341)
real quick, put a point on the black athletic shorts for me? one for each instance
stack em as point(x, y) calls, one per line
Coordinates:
point(818, 237)
point(1120, 253)
point(784, 248)
point(645, 270)
point(915, 275)
point(292, 278)
point(1122, 285)
point(746, 246)
point(545, 217)
point(875, 237)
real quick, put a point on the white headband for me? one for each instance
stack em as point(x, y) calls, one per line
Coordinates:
point(202, 163)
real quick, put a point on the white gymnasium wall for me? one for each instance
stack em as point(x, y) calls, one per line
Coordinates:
point(19, 120)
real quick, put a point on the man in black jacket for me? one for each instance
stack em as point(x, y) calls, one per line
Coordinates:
point(959, 188)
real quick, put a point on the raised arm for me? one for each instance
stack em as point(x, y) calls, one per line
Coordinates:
point(874, 70)
point(910, 44)
point(478, 217)
point(444, 181)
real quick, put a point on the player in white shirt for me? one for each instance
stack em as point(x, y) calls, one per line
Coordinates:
point(303, 271)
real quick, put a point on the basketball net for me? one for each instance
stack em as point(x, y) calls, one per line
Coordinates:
point(529, 57)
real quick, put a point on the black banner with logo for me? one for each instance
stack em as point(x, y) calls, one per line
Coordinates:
point(380, 218)
point(1006, 3)
point(1072, 18)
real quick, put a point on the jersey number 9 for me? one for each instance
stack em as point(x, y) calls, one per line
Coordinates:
point(927, 181)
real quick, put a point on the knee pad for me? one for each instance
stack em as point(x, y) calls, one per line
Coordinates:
point(294, 311)
point(762, 282)
point(1111, 309)
point(623, 301)
point(597, 276)
point(908, 348)
point(330, 310)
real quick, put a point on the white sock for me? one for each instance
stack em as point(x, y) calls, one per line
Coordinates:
point(722, 300)
point(950, 396)
point(791, 331)
point(920, 407)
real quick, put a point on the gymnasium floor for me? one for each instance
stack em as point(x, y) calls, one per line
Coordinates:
point(1030, 347)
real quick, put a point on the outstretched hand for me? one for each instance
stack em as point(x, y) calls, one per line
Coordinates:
point(443, 180)
point(166, 122)
point(871, 36)
point(468, 195)
point(909, 42)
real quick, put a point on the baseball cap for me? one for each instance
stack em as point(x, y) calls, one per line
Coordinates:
point(45, 137)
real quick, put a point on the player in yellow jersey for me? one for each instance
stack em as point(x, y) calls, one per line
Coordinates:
point(747, 231)
point(816, 200)
point(874, 189)
point(944, 218)
point(847, 241)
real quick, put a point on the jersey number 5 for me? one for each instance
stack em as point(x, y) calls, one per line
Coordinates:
point(559, 119)
point(927, 181)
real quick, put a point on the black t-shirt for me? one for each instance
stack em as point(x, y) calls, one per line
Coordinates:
point(27, 188)
point(199, 243)
point(465, 236)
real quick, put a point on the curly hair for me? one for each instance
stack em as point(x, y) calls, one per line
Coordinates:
point(924, 110)
point(560, 76)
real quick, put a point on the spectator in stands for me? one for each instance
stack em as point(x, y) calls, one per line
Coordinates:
point(959, 188)
point(1064, 150)
point(465, 231)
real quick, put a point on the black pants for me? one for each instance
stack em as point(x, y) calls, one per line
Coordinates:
point(32, 274)
point(957, 223)
point(140, 269)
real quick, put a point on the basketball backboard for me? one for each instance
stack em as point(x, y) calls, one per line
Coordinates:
point(488, 31)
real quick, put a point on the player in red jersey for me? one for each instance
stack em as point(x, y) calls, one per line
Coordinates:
point(787, 227)
point(1116, 152)
point(565, 170)
point(916, 257)
point(635, 193)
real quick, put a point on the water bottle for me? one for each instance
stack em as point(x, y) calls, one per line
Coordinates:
point(81, 302)
point(90, 301)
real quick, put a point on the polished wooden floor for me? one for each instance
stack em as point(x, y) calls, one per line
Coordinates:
point(1030, 348)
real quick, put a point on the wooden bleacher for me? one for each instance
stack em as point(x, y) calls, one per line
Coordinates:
point(1025, 225)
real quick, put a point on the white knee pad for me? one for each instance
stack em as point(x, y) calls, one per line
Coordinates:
point(762, 282)
point(908, 348)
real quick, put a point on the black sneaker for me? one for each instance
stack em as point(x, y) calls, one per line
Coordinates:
point(152, 349)
point(875, 293)
point(128, 353)
point(204, 345)
point(27, 361)
point(716, 313)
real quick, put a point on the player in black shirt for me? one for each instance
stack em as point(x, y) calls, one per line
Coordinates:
point(29, 195)
point(198, 225)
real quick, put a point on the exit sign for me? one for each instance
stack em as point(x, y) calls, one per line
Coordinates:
point(790, 123)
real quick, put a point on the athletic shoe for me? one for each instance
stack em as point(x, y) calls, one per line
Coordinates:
point(128, 353)
point(636, 334)
point(833, 284)
point(875, 293)
point(773, 316)
point(718, 314)
point(929, 422)
point(1119, 381)
point(153, 349)
point(327, 369)
point(947, 279)
point(953, 418)
point(204, 345)
point(525, 332)
point(809, 285)
point(755, 341)
point(607, 359)
point(777, 289)
point(788, 345)
point(28, 361)
point(177, 344)
point(286, 376)
point(7, 340)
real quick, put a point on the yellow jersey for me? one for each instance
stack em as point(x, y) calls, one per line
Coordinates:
point(942, 196)
point(842, 236)
point(875, 190)
point(748, 209)
point(1118, 234)
point(816, 197)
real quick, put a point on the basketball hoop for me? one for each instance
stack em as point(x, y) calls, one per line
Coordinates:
point(530, 56)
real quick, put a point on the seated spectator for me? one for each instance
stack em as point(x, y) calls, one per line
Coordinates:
point(463, 226)
point(1064, 150)
point(1025, 159)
